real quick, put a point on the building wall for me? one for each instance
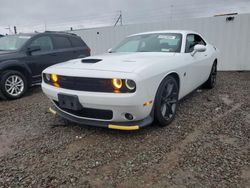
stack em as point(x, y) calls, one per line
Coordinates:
point(232, 38)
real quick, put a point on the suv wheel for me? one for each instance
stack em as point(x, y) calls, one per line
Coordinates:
point(13, 84)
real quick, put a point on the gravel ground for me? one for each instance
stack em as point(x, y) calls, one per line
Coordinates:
point(206, 146)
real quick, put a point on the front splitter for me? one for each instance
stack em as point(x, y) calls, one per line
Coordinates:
point(125, 126)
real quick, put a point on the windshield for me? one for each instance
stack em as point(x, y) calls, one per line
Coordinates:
point(159, 42)
point(13, 42)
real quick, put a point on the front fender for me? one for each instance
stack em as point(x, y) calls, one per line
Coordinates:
point(16, 65)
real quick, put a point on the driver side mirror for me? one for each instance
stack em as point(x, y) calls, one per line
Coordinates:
point(33, 49)
point(198, 48)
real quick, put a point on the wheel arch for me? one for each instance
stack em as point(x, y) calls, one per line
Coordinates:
point(214, 62)
point(20, 68)
point(172, 73)
point(175, 75)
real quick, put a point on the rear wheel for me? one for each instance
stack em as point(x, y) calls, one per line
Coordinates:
point(210, 83)
point(13, 84)
point(166, 101)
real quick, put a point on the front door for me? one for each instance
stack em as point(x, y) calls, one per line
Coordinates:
point(40, 60)
point(197, 67)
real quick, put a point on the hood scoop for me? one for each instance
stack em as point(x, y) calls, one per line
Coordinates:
point(91, 60)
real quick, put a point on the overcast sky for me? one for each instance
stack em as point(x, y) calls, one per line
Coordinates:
point(30, 15)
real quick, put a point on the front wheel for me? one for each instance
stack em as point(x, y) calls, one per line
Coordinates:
point(13, 84)
point(166, 101)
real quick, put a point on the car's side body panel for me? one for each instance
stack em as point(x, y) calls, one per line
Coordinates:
point(18, 66)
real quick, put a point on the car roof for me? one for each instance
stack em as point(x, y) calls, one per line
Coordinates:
point(23, 34)
point(47, 32)
point(184, 32)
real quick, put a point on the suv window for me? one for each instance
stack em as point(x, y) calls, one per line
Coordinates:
point(44, 42)
point(191, 41)
point(61, 42)
point(77, 42)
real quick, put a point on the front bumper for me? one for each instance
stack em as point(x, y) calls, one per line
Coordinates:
point(128, 126)
point(119, 104)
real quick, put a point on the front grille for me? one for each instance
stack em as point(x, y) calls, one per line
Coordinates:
point(89, 113)
point(85, 84)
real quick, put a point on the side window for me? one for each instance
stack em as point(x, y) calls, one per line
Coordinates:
point(61, 42)
point(44, 42)
point(191, 41)
point(77, 42)
point(199, 40)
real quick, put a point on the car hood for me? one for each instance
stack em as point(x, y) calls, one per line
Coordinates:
point(118, 62)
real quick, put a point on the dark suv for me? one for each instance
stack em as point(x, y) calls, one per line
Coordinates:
point(23, 57)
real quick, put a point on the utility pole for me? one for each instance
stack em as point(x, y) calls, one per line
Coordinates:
point(119, 18)
point(15, 31)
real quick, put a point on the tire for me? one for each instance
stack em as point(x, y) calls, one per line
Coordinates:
point(13, 84)
point(210, 83)
point(166, 101)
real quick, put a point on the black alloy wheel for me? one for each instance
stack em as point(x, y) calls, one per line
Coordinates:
point(166, 101)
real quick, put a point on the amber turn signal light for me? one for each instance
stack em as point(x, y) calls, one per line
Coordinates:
point(54, 77)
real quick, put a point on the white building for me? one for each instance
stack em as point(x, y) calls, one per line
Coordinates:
point(231, 37)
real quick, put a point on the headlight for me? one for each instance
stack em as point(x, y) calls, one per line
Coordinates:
point(130, 84)
point(117, 83)
point(51, 79)
point(54, 78)
point(47, 77)
point(123, 85)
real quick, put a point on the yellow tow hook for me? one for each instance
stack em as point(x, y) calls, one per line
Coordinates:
point(52, 111)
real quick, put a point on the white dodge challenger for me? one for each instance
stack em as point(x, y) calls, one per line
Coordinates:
point(139, 81)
